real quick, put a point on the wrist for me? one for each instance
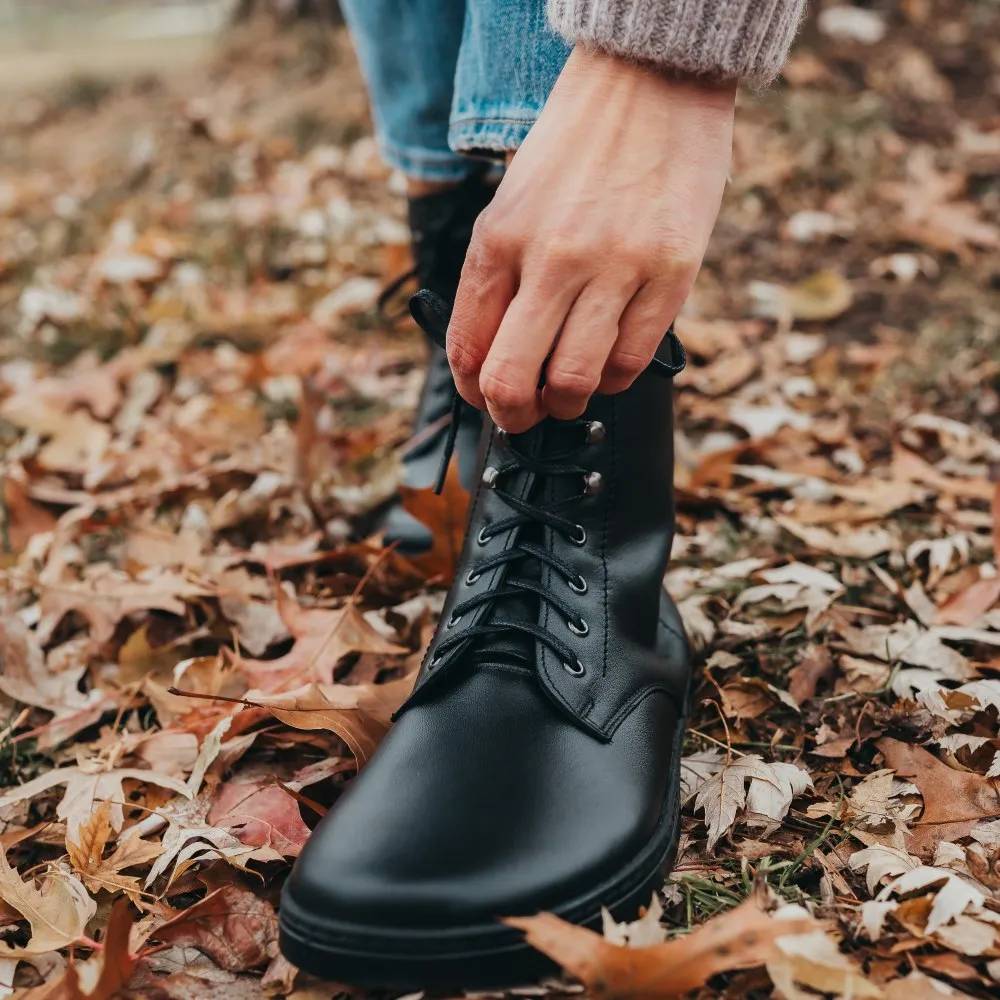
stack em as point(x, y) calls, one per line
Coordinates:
point(606, 75)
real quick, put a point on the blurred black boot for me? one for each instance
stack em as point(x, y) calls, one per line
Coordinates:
point(441, 224)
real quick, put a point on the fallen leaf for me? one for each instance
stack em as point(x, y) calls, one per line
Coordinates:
point(323, 637)
point(260, 814)
point(445, 515)
point(87, 785)
point(743, 938)
point(358, 713)
point(235, 928)
point(954, 801)
point(58, 913)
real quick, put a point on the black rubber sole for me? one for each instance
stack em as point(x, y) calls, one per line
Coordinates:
point(480, 957)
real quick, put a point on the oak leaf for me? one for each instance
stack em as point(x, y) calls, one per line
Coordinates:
point(86, 855)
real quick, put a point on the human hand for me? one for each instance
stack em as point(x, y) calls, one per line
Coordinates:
point(592, 241)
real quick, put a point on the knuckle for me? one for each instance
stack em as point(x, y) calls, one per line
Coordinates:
point(491, 237)
point(463, 361)
point(503, 390)
point(568, 381)
point(624, 365)
point(564, 253)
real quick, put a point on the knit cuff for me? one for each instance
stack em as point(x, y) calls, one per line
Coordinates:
point(722, 39)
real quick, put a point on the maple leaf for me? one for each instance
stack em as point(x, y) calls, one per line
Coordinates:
point(720, 791)
point(954, 801)
point(323, 637)
point(86, 855)
point(57, 915)
point(743, 938)
point(445, 515)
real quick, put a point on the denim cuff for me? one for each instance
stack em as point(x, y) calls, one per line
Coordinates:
point(425, 164)
point(499, 133)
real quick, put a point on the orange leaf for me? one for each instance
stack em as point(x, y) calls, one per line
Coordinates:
point(446, 517)
point(743, 938)
point(969, 605)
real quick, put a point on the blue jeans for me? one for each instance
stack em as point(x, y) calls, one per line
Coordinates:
point(448, 77)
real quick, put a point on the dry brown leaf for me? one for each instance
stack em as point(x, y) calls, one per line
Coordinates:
point(743, 938)
point(358, 713)
point(25, 677)
point(20, 519)
point(969, 605)
point(86, 854)
point(446, 517)
point(57, 913)
point(235, 928)
point(323, 637)
point(260, 814)
point(954, 801)
point(87, 785)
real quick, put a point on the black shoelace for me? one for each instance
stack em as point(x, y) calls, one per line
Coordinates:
point(523, 514)
point(432, 315)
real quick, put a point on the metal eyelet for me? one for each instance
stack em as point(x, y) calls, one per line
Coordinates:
point(578, 628)
point(593, 482)
point(433, 662)
point(482, 538)
point(490, 476)
point(503, 437)
point(595, 432)
point(576, 669)
point(579, 585)
point(472, 578)
point(453, 621)
point(579, 536)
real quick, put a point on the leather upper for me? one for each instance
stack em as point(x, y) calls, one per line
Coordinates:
point(507, 784)
point(629, 528)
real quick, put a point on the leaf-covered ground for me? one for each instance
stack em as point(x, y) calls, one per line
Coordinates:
point(199, 418)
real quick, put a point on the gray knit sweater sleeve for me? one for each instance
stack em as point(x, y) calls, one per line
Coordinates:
point(723, 39)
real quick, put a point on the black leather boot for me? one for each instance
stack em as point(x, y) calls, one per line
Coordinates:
point(441, 225)
point(536, 764)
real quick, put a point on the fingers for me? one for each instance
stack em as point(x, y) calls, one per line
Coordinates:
point(641, 329)
point(510, 376)
point(590, 332)
point(488, 284)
